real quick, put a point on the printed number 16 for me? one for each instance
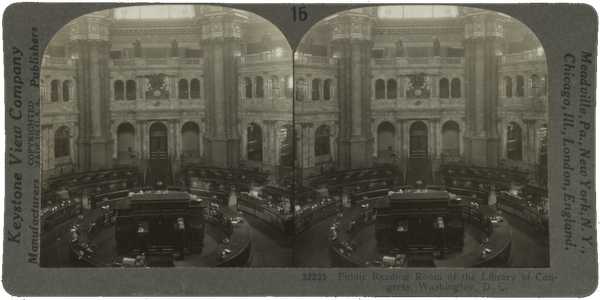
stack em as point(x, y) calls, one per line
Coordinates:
point(301, 13)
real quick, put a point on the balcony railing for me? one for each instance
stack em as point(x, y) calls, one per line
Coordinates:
point(267, 56)
point(319, 60)
point(427, 61)
point(57, 61)
point(140, 62)
point(525, 56)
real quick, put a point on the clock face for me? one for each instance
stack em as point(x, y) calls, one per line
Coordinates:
point(418, 92)
point(156, 93)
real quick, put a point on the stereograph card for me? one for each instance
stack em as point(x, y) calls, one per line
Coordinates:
point(300, 150)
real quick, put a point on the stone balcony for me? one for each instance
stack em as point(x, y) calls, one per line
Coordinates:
point(417, 61)
point(309, 60)
point(175, 104)
point(264, 57)
point(522, 57)
point(157, 62)
point(59, 62)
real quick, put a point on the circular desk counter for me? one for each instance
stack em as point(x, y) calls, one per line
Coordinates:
point(343, 251)
point(97, 247)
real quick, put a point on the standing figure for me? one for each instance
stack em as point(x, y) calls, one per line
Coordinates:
point(174, 48)
point(138, 48)
point(436, 47)
point(266, 41)
point(400, 51)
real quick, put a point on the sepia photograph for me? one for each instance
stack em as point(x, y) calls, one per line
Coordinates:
point(300, 149)
point(167, 140)
point(422, 140)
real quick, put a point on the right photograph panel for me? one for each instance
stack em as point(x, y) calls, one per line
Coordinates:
point(421, 140)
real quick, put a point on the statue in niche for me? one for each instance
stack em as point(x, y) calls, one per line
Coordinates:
point(137, 46)
point(418, 86)
point(400, 51)
point(436, 47)
point(174, 48)
point(266, 42)
point(157, 86)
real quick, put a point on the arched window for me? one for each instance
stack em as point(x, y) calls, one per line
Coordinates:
point(288, 81)
point(391, 89)
point(130, 90)
point(66, 88)
point(300, 89)
point(254, 147)
point(444, 88)
point(327, 89)
point(520, 86)
point(514, 141)
point(195, 89)
point(543, 136)
point(183, 89)
point(379, 89)
point(322, 141)
point(247, 88)
point(316, 89)
point(119, 90)
point(260, 91)
point(455, 88)
point(507, 82)
point(190, 139)
point(534, 83)
point(275, 90)
point(54, 91)
point(125, 141)
point(62, 142)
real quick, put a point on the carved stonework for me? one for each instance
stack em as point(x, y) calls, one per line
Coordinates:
point(157, 86)
point(418, 86)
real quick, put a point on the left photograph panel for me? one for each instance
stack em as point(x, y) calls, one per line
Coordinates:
point(167, 140)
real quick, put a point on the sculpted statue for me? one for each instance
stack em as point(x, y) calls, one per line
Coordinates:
point(137, 48)
point(436, 47)
point(174, 48)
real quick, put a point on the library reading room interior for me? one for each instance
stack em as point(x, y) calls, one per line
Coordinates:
point(391, 136)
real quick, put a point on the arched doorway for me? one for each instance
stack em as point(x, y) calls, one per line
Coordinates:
point(190, 139)
point(386, 140)
point(514, 141)
point(451, 139)
point(125, 141)
point(418, 140)
point(158, 141)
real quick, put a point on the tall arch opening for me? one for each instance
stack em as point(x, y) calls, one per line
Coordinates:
point(158, 141)
point(327, 89)
point(130, 90)
point(322, 146)
point(451, 139)
point(316, 89)
point(418, 140)
point(255, 144)
point(379, 89)
point(190, 139)
point(444, 88)
point(286, 145)
point(183, 89)
point(392, 88)
point(455, 88)
point(195, 89)
point(125, 141)
point(62, 145)
point(514, 142)
point(386, 140)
